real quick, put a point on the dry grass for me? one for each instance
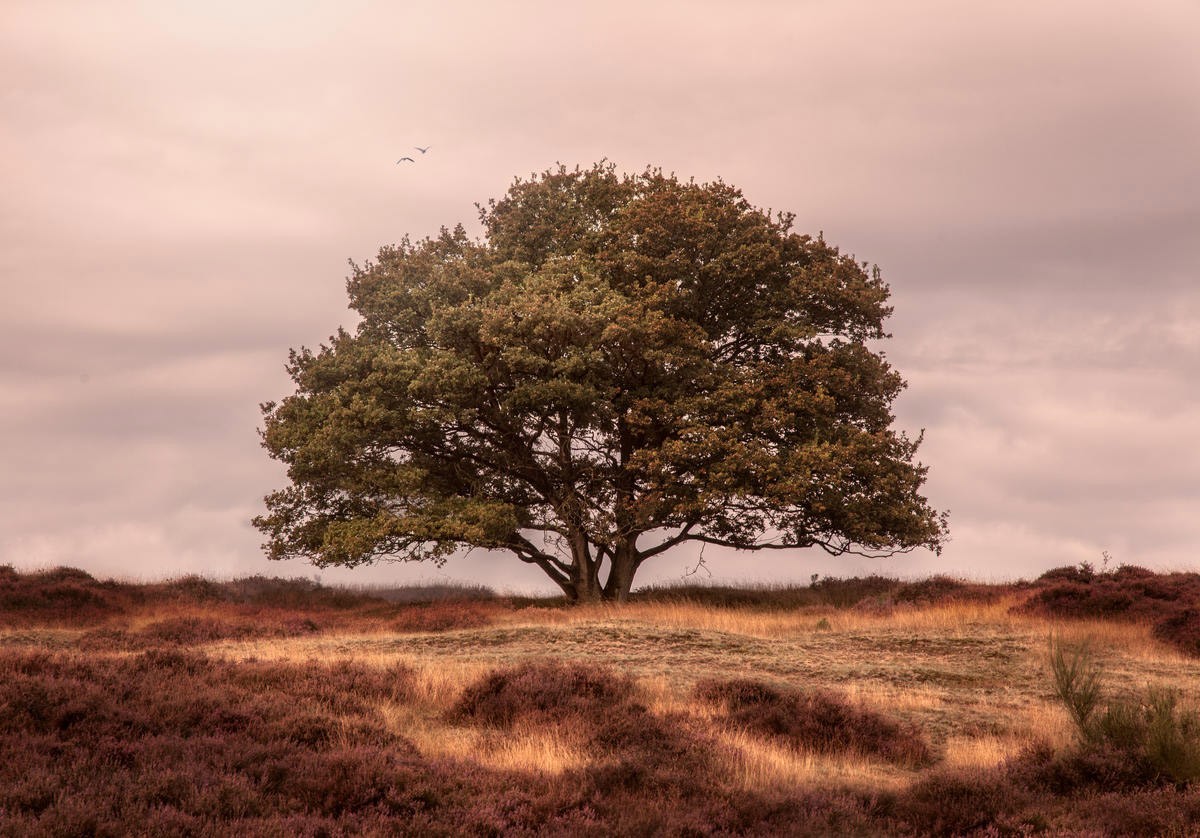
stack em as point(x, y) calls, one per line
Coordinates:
point(522, 749)
point(970, 674)
point(755, 764)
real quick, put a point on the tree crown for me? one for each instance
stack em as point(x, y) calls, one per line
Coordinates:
point(619, 358)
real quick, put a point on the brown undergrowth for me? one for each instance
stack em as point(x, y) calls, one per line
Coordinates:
point(268, 707)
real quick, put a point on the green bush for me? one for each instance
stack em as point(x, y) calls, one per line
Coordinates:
point(1159, 737)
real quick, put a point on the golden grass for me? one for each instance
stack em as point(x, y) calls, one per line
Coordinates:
point(421, 720)
point(755, 764)
point(520, 749)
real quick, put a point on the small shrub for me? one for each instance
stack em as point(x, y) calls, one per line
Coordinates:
point(194, 630)
point(641, 752)
point(1151, 813)
point(442, 616)
point(950, 802)
point(1076, 683)
point(755, 597)
point(1172, 736)
point(543, 692)
point(818, 721)
point(1081, 573)
point(938, 589)
point(1079, 770)
point(846, 593)
point(1127, 593)
point(1181, 630)
point(1152, 740)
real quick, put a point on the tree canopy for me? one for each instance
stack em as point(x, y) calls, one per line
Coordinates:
point(620, 365)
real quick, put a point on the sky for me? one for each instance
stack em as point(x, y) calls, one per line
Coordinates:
point(184, 184)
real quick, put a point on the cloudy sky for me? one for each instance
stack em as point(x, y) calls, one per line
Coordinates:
point(185, 182)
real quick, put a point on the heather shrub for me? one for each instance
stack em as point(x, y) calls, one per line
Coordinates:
point(1079, 770)
point(62, 595)
point(193, 630)
point(638, 750)
point(937, 589)
point(757, 597)
point(190, 631)
point(1127, 593)
point(170, 737)
point(1181, 630)
point(1081, 573)
point(58, 575)
point(1158, 812)
point(192, 589)
point(957, 802)
point(427, 593)
point(442, 616)
point(817, 721)
point(839, 593)
point(543, 692)
point(845, 593)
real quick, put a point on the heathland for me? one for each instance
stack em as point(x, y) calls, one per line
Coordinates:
point(1061, 706)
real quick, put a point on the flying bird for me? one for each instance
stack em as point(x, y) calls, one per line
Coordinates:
point(422, 150)
point(409, 159)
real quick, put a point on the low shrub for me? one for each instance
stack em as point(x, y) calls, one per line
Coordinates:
point(1150, 813)
point(830, 591)
point(544, 692)
point(1125, 742)
point(817, 721)
point(443, 616)
point(1127, 593)
point(194, 630)
point(1182, 631)
point(938, 589)
point(191, 631)
point(1077, 771)
point(757, 597)
point(957, 802)
point(635, 750)
point(846, 593)
point(62, 595)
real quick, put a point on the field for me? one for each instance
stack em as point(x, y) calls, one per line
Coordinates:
point(865, 706)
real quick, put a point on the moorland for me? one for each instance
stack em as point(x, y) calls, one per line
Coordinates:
point(1058, 706)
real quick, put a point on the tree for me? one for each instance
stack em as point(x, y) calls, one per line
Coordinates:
point(619, 366)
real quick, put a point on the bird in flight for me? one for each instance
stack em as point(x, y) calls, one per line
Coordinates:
point(422, 150)
point(409, 159)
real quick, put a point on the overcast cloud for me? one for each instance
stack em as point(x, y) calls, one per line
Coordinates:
point(184, 183)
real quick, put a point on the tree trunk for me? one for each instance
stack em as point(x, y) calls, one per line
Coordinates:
point(624, 565)
point(585, 578)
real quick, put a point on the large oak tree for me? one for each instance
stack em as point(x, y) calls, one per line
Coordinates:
point(619, 366)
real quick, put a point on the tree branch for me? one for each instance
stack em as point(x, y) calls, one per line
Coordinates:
point(678, 538)
point(525, 549)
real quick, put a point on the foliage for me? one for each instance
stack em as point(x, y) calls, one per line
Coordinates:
point(1076, 682)
point(621, 365)
point(1153, 738)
